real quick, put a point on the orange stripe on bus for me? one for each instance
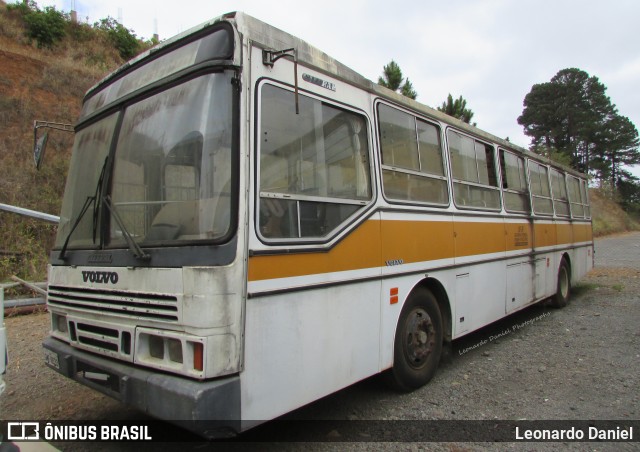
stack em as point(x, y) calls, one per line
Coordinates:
point(416, 241)
point(479, 238)
point(545, 235)
point(518, 236)
point(564, 233)
point(359, 250)
point(376, 243)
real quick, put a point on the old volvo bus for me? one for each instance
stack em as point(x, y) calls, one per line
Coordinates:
point(249, 225)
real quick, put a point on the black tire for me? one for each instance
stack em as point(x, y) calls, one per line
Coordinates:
point(563, 289)
point(418, 342)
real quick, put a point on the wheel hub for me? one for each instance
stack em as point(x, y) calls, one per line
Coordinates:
point(420, 333)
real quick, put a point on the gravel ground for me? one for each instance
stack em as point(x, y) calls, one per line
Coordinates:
point(578, 363)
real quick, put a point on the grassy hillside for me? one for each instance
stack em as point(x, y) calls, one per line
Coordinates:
point(48, 84)
point(608, 216)
point(40, 84)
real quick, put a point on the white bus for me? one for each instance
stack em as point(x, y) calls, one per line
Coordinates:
point(249, 225)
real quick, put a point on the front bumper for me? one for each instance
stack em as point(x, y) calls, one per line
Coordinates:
point(209, 408)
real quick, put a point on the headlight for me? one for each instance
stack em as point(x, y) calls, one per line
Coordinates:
point(59, 324)
point(170, 350)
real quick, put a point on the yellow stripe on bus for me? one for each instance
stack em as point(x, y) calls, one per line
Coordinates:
point(416, 241)
point(356, 251)
point(375, 243)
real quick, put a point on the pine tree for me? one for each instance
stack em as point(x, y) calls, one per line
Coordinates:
point(392, 78)
point(573, 115)
point(458, 109)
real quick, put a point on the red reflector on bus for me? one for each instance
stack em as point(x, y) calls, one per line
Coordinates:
point(393, 293)
point(198, 356)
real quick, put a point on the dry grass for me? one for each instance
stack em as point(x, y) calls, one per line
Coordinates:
point(608, 216)
point(44, 85)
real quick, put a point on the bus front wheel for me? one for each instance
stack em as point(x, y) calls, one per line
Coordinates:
point(418, 342)
point(563, 290)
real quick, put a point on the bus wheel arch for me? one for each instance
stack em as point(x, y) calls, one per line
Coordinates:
point(438, 291)
point(420, 333)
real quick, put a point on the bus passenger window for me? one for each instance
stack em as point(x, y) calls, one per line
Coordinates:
point(585, 198)
point(412, 163)
point(540, 190)
point(514, 184)
point(314, 166)
point(475, 182)
point(575, 197)
point(560, 198)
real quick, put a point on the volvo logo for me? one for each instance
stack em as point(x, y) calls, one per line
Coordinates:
point(100, 277)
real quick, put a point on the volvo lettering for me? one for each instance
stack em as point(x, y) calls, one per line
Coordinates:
point(100, 277)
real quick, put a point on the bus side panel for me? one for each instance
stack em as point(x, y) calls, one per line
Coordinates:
point(582, 261)
point(564, 233)
point(478, 238)
point(480, 250)
point(520, 282)
point(303, 345)
point(546, 259)
point(479, 296)
point(412, 246)
point(544, 235)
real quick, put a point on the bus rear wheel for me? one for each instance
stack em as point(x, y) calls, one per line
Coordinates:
point(563, 290)
point(418, 342)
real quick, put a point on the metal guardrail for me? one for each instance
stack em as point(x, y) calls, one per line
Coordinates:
point(4, 355)
point(24, 302)
point(38, 287)
point(30, 213)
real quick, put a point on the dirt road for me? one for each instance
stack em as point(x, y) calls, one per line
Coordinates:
point(580, 362)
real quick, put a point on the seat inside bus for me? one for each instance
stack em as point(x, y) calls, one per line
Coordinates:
point(182, 217)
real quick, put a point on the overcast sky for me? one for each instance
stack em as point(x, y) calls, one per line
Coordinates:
point(489, 51)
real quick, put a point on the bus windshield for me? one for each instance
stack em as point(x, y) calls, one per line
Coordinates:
point(170, 172)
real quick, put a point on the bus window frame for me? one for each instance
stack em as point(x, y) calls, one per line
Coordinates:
point(584, 189)
point(93, 106)
point(566, 201)
point(581, 201)
point(532, 195)
point(525, 173)
point(355, 218)
point(455, 181)
point(417, 173)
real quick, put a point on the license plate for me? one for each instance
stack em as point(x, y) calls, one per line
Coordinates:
point(51, 358)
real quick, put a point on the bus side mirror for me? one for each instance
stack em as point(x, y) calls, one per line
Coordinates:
point(39, 148)
point(40, 145)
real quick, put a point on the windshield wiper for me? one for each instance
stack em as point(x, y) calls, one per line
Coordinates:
point(138, 252)
point(97, 200)
point(96, 206)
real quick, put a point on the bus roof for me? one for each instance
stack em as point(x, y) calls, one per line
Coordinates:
point(269, 37)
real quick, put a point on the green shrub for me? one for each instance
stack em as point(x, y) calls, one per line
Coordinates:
point(121, 38)
point(21, 9)
point(46, 27)
point(80, 32)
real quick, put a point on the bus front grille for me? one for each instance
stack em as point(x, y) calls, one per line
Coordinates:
point(128, 304)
